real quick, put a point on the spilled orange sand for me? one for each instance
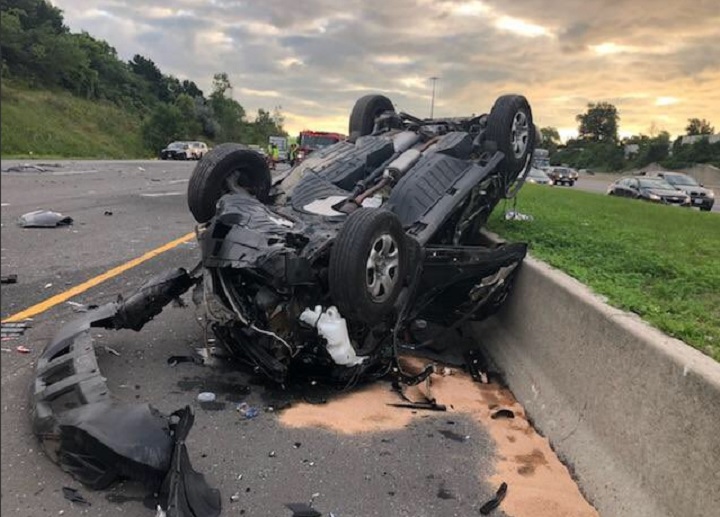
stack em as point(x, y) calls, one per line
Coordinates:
point(539, 485)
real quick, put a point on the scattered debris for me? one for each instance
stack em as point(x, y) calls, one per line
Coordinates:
point(12, 329)
point(112, 351)
point(247, 411)
point(477, 365)
point(23, 349)
point(428, 406)
point(72, 494)
point(48, 285)
point(512, 215)
point(177, 359)
point(81, 307)
point(495, 501)
point(235, 497)
point(25, 167)
point(107, 212)
point(502, 413)
point(206, 396)
point(8, 279)
point(160, 512)
point(43, 219)
point(451, 435)
point(272, 454)
point(303, 510)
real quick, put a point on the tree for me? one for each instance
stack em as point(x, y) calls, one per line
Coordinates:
point(164, 125)
point(698, 126)
point(550, 139)
point(599, 123)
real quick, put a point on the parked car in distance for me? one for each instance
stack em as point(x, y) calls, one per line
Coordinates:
point(538, 176)
point(702, 197)
point(562, 175)
point(184, 151)
point(656, 190)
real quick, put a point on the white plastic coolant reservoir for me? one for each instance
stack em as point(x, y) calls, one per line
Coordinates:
point(333, 328)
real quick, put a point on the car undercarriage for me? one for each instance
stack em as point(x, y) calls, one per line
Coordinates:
point(325, 271)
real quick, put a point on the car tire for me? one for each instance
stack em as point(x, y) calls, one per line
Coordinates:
point(705, 208)
point(225, 169)
point(510, 126)
point(572, 183)
point(370, 240)
point(364, 113)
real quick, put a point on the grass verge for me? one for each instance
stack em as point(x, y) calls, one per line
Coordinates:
point(48, 124)
point(660, 262)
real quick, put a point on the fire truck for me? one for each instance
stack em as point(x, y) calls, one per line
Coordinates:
point(309, 141)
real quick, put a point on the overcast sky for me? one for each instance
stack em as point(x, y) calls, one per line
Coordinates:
point(658, 61)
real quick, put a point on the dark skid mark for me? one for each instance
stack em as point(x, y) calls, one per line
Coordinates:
point(450, 435)
point(444, 493)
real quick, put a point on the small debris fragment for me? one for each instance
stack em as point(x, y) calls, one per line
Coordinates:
point(8, 279)
point(43, 219)
point(23, 349)
point(297, 445)
point(495, 501)
point(271, 454)
point(247, 411)
point(160, 512)
point(71, 494)
point(502, 413)
point(303, 510)
point(177, 359)
point(235, 497)
point(206, 396)
point(111, 351)
point(429, 406)
point(517, 216)
point(107, 212)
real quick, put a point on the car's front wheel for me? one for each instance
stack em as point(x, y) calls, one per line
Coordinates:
point(227, 168)
point(364, 113)
point(367, 264)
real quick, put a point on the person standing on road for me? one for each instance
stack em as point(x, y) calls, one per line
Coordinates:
point(293, 154)
point(275, 155)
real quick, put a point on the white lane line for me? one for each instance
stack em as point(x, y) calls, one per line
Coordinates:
point(162, 194)
point(4, 204)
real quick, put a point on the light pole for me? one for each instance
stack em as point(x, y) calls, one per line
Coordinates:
point(432, 102)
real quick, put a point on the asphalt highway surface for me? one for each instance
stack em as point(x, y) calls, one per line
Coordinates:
point(352, 455)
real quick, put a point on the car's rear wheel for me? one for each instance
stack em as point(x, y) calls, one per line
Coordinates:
point(364, 113)
point(367, 264)
point(227, 168)
point(510, 126)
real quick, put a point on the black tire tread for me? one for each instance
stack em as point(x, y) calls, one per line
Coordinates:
point(362, 118)
point(498, 128)
point(209, 174)
point(347, 261)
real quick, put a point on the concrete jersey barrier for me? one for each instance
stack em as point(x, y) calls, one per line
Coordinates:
point(635, 413)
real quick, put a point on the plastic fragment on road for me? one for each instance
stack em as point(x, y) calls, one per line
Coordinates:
point(72, 494)
point(22, 349)
point(247, 411)
point(495, 501)
point(333, 328)
point(206, 396)
point(44, 219)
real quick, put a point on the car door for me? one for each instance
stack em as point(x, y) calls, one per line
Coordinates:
point(633, 188)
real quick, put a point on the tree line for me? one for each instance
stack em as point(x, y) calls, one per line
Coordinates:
point(599, 147)
point(40, 51)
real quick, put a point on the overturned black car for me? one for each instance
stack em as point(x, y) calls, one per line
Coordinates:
point(325, 271)
point(327, 267)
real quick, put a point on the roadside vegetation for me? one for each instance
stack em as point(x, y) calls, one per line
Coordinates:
point(145, 109)
point(599, 148)
point(662, 263)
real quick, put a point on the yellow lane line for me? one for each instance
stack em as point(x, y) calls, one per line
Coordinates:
point(74, 291)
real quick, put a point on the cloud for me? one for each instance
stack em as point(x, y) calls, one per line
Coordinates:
point(656, 60)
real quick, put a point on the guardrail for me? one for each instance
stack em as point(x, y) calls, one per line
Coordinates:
point(635, 413)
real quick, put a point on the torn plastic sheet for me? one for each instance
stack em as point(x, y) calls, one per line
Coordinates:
point(184, 490)
point(94, 437)
point(43, 219)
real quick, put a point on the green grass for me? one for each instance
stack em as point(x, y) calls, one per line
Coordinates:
point(48, 124)
point(660, 262)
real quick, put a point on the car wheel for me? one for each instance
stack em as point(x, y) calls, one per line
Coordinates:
point(367, 264)
point(364, 113)
point(227, 168)
point(572, 183)
point(510, 126)
point(705, 208)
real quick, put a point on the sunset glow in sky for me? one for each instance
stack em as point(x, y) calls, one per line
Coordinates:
point(657, 62)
